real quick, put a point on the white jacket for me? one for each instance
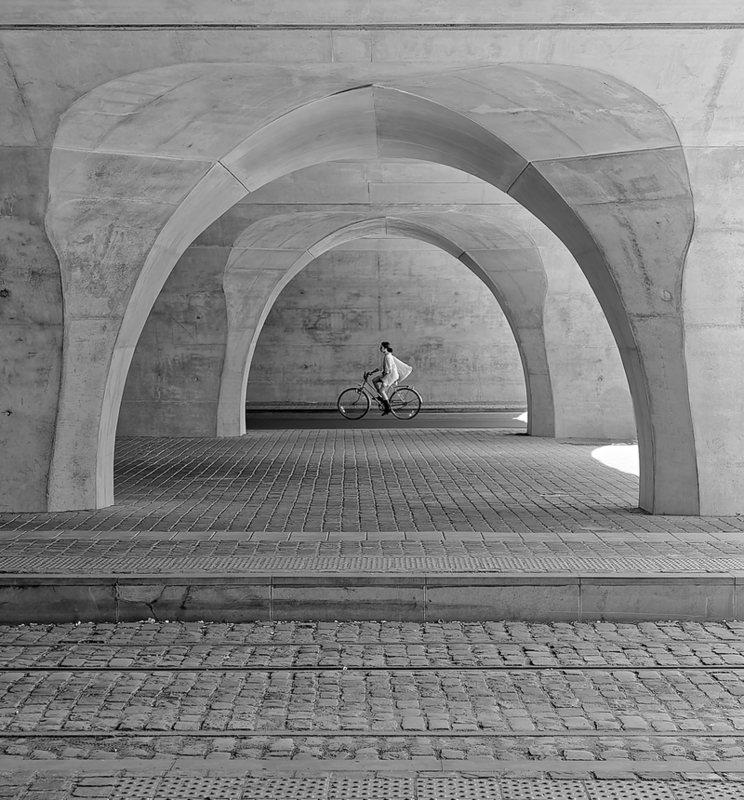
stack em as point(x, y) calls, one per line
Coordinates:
point(394, 370)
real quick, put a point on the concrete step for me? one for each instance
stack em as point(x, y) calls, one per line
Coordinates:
point(58, 576)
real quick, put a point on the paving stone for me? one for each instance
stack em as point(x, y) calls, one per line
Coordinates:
point(456, 480)
point(441, 672)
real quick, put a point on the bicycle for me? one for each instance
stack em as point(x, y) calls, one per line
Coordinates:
point(354, 402)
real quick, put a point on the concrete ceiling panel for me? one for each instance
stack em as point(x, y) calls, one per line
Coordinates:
point(365, 227)
point(192, 111)
point(262, 259)
point(550, 110)
point(299, 230)
point(16, 127)
point(130, 178)
point(406, 227)
point(212, 110)
point(507, 259)
point(411, 127)
point(472, 231)
point(341, 126)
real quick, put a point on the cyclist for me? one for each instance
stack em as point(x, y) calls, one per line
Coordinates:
point(393, 370)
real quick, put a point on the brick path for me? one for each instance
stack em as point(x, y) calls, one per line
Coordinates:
point(63, 552)
point(491, 710)
point(331, 710)
point(367, 480)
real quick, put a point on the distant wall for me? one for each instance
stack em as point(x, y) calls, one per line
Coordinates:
point(326, 326)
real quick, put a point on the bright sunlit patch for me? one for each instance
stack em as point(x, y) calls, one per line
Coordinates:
point(522, 417)
point(623, 457)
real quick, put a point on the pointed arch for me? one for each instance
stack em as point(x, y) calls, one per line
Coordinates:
point(596, 160)
point(269, 253)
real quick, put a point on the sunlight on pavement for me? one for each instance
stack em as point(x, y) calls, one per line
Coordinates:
point(622, 457)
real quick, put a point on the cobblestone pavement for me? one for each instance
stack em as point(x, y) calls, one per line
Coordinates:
point(367, 480)
point(508, 691)
point(255, 711)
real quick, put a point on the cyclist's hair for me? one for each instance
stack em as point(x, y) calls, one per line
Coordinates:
point(386, 345)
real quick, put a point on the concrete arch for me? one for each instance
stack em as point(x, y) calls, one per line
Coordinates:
point(596, 160)
point(268, 254)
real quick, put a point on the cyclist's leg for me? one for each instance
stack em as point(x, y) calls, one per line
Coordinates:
point(383, 391)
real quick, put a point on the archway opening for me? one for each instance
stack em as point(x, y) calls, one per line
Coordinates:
point(325, 326)
point(586, 176)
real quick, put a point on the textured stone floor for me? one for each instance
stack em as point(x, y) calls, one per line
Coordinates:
point(152, 552)
point(366, 481)
point(331, 710)
point(484, 710)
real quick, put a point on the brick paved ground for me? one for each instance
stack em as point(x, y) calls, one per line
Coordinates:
point(64, 552)
point(367, 480)
point(371, 709)
point(646, 711)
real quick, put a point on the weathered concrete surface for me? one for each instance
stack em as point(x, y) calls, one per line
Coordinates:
point(297, 12)
point(590, 389)
point(339, 126)
point(30, 331)
point(174, 380)
point(691, 72)
point(413, 596)
point(714, 333)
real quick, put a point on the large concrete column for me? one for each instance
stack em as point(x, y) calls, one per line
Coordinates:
point(714, 313)
point(30, 330)
point(114, 265)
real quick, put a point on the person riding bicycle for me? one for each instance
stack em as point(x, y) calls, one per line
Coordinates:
point(393, 370)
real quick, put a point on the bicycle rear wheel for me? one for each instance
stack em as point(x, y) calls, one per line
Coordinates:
point(405, 403)
point(352, 403)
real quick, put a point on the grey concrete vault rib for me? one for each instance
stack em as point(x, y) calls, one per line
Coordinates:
point(137, 172)
point(268, 254)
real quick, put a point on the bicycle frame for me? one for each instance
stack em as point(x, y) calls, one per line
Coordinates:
point(369, 389)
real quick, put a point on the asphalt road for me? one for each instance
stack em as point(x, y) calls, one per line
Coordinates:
point(286, 420)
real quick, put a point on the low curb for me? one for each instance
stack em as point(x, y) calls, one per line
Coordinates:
point(413, 597)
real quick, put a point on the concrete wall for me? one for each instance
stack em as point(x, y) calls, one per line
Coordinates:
point(684, 55)
point(326, 326)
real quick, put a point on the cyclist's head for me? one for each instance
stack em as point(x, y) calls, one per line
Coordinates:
point(386, 346)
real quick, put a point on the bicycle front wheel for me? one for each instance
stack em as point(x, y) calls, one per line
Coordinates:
point(405, 403)
point(352, 403)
